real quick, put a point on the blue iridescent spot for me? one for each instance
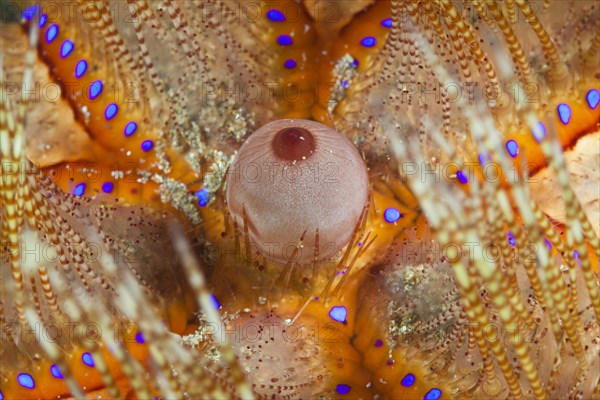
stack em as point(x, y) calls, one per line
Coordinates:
point(593, 98)
point(378, 343)
point(43, 20)
point(355, 62)
point(408, 380)
point(512, 147)
point(484, 158)
point(110, 111)
point(215, 302)
point(130, 129)
point(343, 388)
point(55, 371)
point(548, 244)
point(368, 41)
point(26, 381)
point(576, 254)
point(564, 113)
point(80, 68)
point(391, 215)
point(88, 359)
point(462, 178)
point(51, 33)
point(285, 40)
point(275, 15)
point(95, 89)
point(108, 187)
point(511, 239)
point(539, 131)
point(29, 12)
point(147, 145)
point(66, 48)
point(1, 395)
point(79, 189)
point(139, 338)
point(289, 64)
point(387, 23)
point(338, 313)
point(202, 196)
point(433, 394)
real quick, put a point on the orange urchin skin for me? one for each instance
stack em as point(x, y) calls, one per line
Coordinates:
point(312, 92)
point(48, 387)
point(348, 42)
point(88, 109)
point(306, 96)
point(385, 194)
point(347, 350)
point(85, 336)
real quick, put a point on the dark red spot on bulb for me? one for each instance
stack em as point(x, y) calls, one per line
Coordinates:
point(293, 144)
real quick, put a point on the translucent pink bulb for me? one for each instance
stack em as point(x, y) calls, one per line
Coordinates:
point(293, 176)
